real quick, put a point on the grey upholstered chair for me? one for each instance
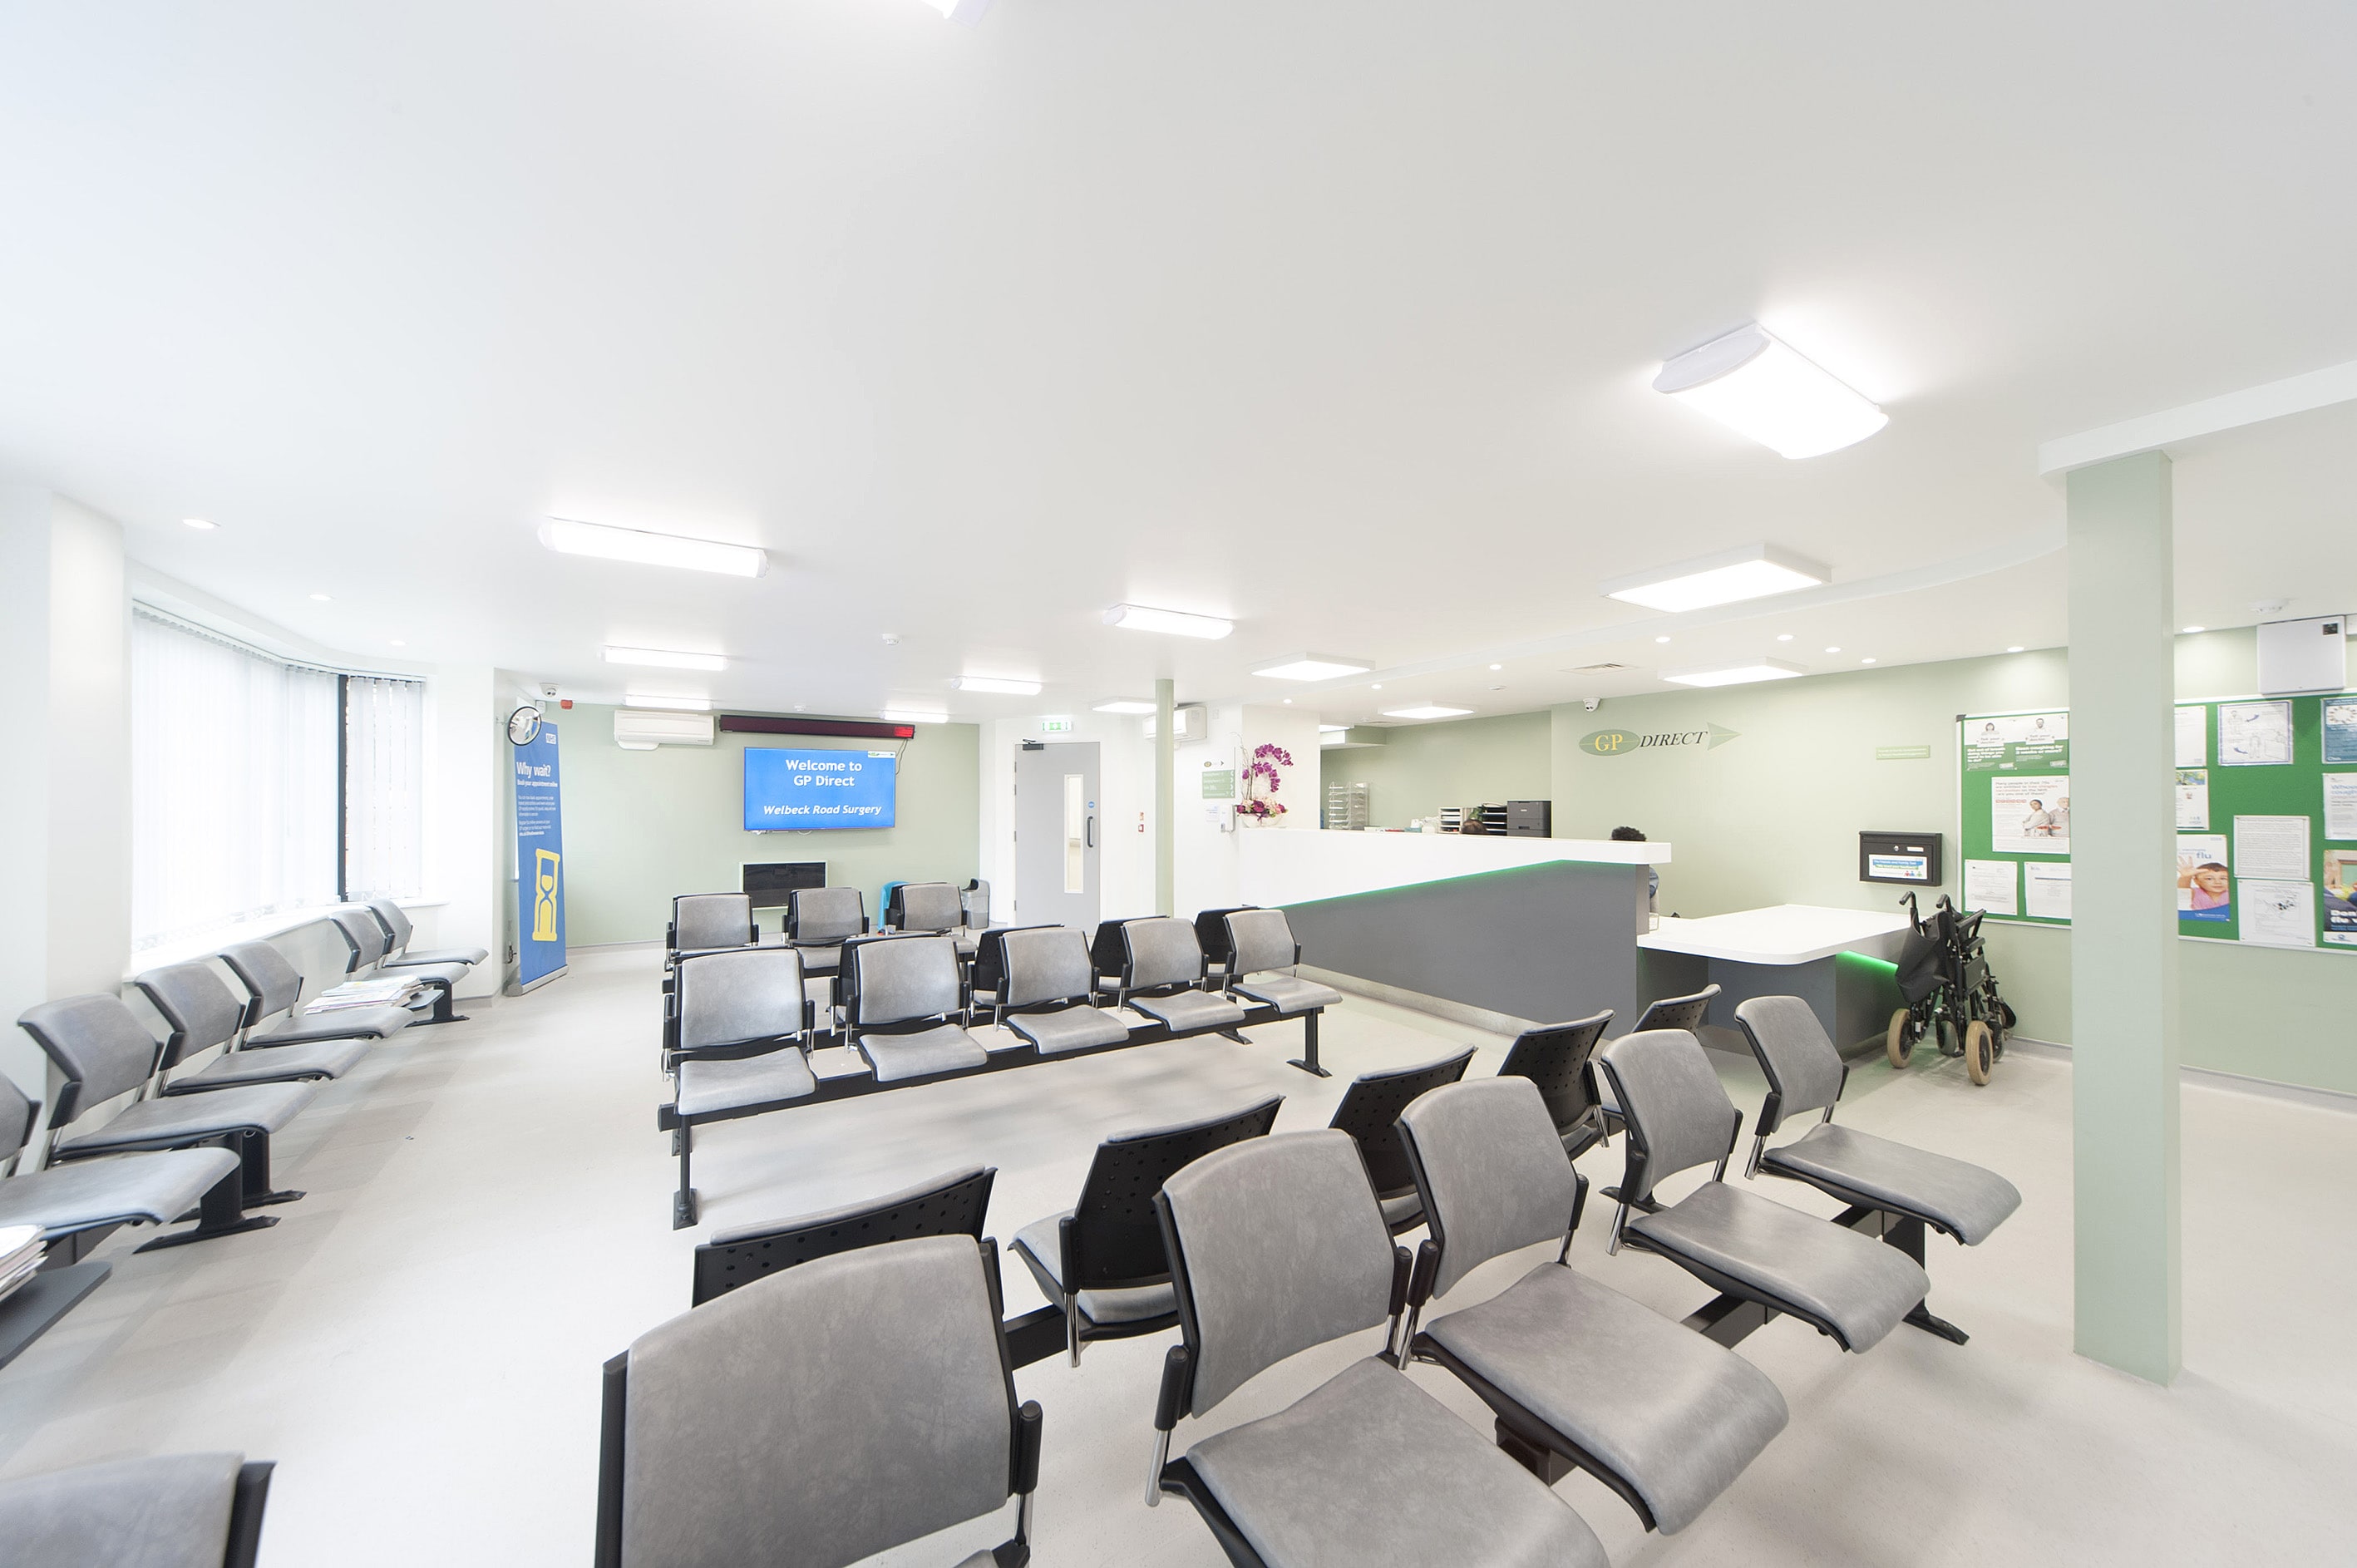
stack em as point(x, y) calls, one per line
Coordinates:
point(1369, 1112)
point(1554, 1057)
point(708, 922)
point(101, 1051)
point(199, 1007)
point(974, 903)
point(1044, 992)
point(1580, 1375)
point(1276, 1245)
point(1914, 1186)
point(1102, 1260)
point(397, 932)
point(819, 920)
point(930, 907)
point(77, 1205)
point(898, 995)
point(818, 1416)
point(175, 1511)
point(738, 1044)
point(1162, 977)
point(364, 942)
point(1848, 1286)
point(951, 1205)
point(273, 986)
point(1260, 943)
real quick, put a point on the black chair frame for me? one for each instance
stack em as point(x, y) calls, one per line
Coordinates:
point(1370, 1112)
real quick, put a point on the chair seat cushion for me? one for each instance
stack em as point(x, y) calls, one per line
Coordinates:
point(280, 1064)
point(1370, 1468)
point(945, 1047)
point(1403, 1211)
point(177, 1119)
point(1069, 1028)
point(1287, 994)
point(1187, 1012)
point(170, 1511)
point(1963, 1199)
point(442, 975)
point(1843, 1280)
point(818, 959)
point(469, 957)
point(1671, 1413)
point(337, 1024)
point(1040, 1246)
point(706, 1085)
point(153, 1189)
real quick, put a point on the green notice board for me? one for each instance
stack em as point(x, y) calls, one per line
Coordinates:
point(2266, 819)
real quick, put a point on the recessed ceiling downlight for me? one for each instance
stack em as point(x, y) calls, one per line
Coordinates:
point(1739, 674)
point(1759, 386)
point(1729, 576)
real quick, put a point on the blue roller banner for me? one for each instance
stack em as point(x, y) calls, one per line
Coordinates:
point(540, 861)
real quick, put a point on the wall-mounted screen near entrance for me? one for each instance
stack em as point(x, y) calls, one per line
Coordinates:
point(791, 789)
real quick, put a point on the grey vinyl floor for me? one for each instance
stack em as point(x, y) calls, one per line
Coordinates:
point(417, 1344)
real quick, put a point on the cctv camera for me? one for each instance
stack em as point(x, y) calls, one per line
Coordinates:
point(1591, 703)
point(548, 690)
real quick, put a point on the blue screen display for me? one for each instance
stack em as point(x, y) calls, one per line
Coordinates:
point(792, 789)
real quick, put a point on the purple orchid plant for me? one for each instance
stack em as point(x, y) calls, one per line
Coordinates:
point(1262, 781)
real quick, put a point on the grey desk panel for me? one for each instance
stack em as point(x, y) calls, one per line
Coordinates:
point(1543, 943)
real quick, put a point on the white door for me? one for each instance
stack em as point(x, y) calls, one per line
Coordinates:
point(1059, 835)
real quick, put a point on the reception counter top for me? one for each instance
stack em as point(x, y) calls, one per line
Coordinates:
point(1783, 934)
point(1284, 866)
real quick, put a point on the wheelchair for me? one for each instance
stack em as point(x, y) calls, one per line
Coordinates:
point(1950, 992)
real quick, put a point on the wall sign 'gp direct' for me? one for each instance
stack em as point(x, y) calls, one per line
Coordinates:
point(1623, 742)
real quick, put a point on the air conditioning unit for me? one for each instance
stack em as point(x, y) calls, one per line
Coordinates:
point(644, 729)
point(2304, 655)
point(1188, 722)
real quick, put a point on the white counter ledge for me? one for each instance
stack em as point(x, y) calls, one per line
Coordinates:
point(1296, 866)
point(1783, 934)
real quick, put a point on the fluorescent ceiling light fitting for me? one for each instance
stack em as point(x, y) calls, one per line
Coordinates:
point(994, 684)
point(911, 716)
point(965, 12)
point(1311, 667)
point(675, 705)
point(1729, 576)
point(199, 524)
point(1426, 711)
point(1737, 674)
point(665, 658)
point(1757, 385)
point(1124, 705)
point(567, 537)
point(1333, 729)
point(1178, 623)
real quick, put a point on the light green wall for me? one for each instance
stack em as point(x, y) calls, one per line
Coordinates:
point(641, 826)
point(1462, 762)
point(1772, 817)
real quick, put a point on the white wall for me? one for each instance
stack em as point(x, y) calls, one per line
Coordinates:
point(1204, 839)
point(1124, 801)
point(465, 866)
point(65, 809)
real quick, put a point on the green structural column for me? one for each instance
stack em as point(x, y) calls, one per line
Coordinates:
point(1165, 801)
point(2124, 1038)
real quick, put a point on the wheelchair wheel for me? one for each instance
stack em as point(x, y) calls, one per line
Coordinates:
point(1898, 1042)
point(1980, 1051)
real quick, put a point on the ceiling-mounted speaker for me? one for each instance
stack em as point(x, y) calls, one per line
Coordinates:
point(2298, 656)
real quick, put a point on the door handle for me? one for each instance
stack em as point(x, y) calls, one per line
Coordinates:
point(1088, 833)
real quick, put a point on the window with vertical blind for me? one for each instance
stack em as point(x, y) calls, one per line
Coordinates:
point(260, 786)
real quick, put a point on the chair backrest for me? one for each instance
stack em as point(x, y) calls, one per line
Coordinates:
point(1491, 1171)
point(1259, 939)
point(198, 1007)
point(989, 968)
point(711, 920)
point(1277, 1244)
point(1370, 1108)
point(1041, 963)
point(895, 980)
point(826, 914)
point(363, 935)
point(96, 1043)
point(1676, 1012)
point(1117, 1235)
point(1556, 1059)
point(395, 921)
point(1162, 950)
point(927, 907)
point(739, 995)
point(1211, 930)
point(203, 1510)
point(1107, 949)
point(18, 1116)
point(974, 903)
point(270, 975)
point(1678, 1115)
point(1805, 1072)
point(953, 1205)
point(821, 1415)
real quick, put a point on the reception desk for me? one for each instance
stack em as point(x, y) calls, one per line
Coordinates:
point(1840, 962)
point(1538, 929)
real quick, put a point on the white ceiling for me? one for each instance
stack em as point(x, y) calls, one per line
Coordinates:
point(1335, 318)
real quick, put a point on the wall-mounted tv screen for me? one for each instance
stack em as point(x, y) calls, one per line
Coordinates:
point(787, 787)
